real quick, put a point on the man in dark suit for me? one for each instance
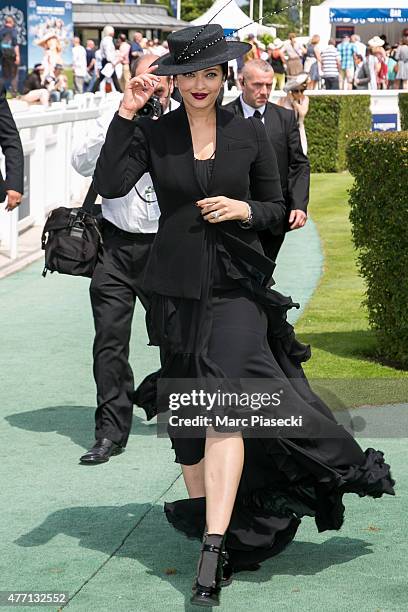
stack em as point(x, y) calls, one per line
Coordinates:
point(11, 187)
point(283, 132)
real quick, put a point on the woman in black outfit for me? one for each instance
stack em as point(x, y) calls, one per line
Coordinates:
point(214, 317)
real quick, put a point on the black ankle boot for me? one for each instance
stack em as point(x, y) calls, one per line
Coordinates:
point(227, 572)
point(207, 585)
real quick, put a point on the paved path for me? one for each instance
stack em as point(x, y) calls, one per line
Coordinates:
point(99, 532)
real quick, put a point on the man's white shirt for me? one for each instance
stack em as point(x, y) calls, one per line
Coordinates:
point(131, 212)
point(249, 110)
point(79, 60)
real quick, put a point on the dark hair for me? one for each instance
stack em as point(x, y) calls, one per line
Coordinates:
point(224, 67)
point(359, 56)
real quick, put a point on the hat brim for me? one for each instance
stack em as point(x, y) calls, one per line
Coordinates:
point(167, 65)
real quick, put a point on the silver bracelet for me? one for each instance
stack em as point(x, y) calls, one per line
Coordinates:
point(249, 220)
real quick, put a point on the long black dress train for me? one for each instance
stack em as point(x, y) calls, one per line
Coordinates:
point(242, 332)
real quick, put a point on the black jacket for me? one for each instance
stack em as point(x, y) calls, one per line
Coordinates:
point(13, 151)
point(244, 162)
point(294, 167)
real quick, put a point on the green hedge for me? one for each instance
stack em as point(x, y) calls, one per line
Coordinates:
point(379, 213)
point(329, 124)
point(403, 109)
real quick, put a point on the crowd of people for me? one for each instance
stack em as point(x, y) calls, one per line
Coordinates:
point(351, 64)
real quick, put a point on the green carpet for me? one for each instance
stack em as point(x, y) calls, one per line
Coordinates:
point(99, 532)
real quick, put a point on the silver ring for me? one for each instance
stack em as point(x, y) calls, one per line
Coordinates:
point(215, 214)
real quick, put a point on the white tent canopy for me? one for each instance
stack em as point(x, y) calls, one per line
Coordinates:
point(232, 17)
point(364, 17)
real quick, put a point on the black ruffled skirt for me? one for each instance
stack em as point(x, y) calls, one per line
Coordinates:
point(244, 333)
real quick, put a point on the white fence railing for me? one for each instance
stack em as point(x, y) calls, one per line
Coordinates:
point(48, 136)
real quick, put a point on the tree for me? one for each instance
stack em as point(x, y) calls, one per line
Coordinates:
point(191, 9)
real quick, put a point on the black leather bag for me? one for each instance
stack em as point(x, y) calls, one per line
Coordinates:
point(71, 239)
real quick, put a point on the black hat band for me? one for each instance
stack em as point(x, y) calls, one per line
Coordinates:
point(202, 51)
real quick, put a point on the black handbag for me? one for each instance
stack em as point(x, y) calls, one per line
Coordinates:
point(74, 238)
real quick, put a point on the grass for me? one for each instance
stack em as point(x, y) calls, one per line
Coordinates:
point(335, 323)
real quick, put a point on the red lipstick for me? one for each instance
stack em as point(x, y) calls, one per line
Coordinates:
point(199, 96)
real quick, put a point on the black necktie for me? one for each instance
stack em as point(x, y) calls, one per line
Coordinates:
point(257, 115)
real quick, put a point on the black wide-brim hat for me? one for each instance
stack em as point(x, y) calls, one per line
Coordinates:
point(197, 48)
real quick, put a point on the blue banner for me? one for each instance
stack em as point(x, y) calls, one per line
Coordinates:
point(374, 15)
point(387, 122)
point(50, 32)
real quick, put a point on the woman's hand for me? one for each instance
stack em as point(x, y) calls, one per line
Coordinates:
point(137, 93)
point(220, 208)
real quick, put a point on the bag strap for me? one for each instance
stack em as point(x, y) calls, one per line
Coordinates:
point(89, 199)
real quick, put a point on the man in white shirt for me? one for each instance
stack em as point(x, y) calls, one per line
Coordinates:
point(129, 226)
point(78, 65)
point(108, 56)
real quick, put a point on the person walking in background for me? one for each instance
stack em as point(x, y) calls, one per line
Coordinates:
point(297, 101)
point(253, 53)
point(108, 56)
point(9, 54)
point(124, 51)
point(373, 61)
point(362, 77)
point(347, 51)
point(283, 133)
point(377, 44)
point(129, 227)
point(12, 185)
point(392, 65)
point(90, 65)
point(313, 61)
point(79, 65)
point(278, 62)
point(361, 48)
point(401, 55)
point(330, 59)
point(294, 53)
point(136, 49)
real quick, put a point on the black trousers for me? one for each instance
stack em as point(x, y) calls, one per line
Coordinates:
point(99, 80)
point(331, 82)
point(115, 285)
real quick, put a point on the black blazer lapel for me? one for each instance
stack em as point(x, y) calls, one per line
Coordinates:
point(184, 145)
point(270, 120)
point(224, 118)
point(238, 106)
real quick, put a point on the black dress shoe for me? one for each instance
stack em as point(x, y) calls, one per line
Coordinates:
point(102, 451)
